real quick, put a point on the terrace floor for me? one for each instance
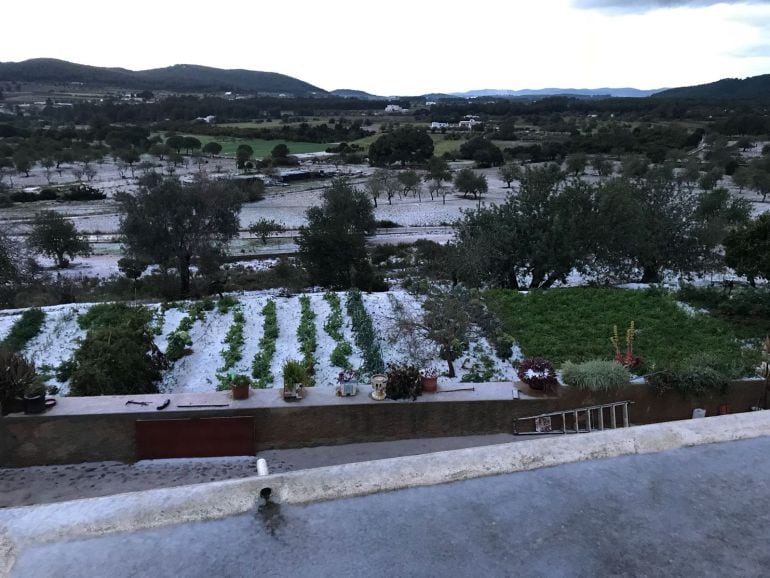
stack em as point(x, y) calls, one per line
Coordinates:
point(696, 511)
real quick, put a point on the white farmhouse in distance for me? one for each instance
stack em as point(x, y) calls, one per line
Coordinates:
point(435, 124)
point(394, 108)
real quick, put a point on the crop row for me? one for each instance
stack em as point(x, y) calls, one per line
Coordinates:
point(260, 366)
point(366, 339)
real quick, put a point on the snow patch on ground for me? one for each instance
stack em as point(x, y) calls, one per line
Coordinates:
point(689, 309)
point(286, 346)
point(252, 330)
point(6, 322)
point(325, 372)
point(57, 341)
point(197, 372)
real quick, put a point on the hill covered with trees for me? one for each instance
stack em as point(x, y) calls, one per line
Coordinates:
point(180, 77)
point(751, 88)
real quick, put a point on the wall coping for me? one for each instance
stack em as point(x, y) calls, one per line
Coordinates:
point(260, 399)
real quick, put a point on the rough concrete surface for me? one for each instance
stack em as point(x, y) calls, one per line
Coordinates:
point(694, 511)
point(45, 484)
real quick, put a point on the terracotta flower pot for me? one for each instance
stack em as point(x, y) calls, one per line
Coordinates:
point(429, 384)
point(241, 391)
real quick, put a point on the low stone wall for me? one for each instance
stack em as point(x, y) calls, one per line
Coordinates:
point(103, 428)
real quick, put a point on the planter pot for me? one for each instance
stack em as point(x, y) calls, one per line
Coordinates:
point(293, 391)
point(37, 404)
point(13, 405)
point(537, 386)
point(379, 381)
point(429, 384)
point(241, 391)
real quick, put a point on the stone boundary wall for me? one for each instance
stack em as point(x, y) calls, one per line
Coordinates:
point(103, 428)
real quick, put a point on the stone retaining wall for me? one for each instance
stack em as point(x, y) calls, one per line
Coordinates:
point(101, 429)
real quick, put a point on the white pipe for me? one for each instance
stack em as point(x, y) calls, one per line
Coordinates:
point(262, 467)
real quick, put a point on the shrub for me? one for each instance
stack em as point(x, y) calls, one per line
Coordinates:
point(26, 328)
point(116, 361)
point(115, 315)
point(692, 380)
point(537, 373)
point(403, 382)
point(17, 375)
point(83, 193)
point(595, 375)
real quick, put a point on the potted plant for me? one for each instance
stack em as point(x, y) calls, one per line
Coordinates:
point(429, 380)
point(379, 385)
point(537, 373)
point(34, 399)
point(240, 385)
point(347, 382)
point(403, 382)
point(17, 375)
point(294, 377)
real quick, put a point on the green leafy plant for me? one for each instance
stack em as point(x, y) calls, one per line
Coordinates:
point(260, 366)
point(234, 339)
point(17, 376)
point(26, 328)
point(306, 334)
point(691, 380)
point(333, 323)
point(595, 375)
point(366, 339)
point(294, 372)
point(226, 303)
point(403, 382)
point(115, 315)
point(229, 380)
point(482, 370)
point(340, 353)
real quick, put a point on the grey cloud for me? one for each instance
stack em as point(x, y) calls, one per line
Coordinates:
point(647, 5)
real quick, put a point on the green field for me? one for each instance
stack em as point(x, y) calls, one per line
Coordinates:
point(576, 323)
point(440, 143)
point(261, 147)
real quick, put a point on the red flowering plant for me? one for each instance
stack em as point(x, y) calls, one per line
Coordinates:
point(625, 358)
point(537, 373)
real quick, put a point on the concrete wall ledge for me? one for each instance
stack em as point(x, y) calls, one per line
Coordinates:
point(21, 527)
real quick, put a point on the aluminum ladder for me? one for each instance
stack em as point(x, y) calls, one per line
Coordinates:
point(593, 418)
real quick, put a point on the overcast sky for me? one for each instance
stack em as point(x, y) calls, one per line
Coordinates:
point(409, 47)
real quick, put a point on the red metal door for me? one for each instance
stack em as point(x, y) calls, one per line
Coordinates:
point(195, 438)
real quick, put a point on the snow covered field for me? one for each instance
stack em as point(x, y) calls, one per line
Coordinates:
point(198, 371)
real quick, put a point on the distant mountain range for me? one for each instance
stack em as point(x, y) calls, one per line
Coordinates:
point(615, 92)
point(180, 77)
point(194, 78)
point(751, 88)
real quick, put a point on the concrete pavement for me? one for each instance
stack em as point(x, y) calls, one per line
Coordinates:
point(693, 511)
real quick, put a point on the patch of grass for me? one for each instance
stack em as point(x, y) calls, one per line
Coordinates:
point(26, 328)
point(575, 324)
point(261, 147)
